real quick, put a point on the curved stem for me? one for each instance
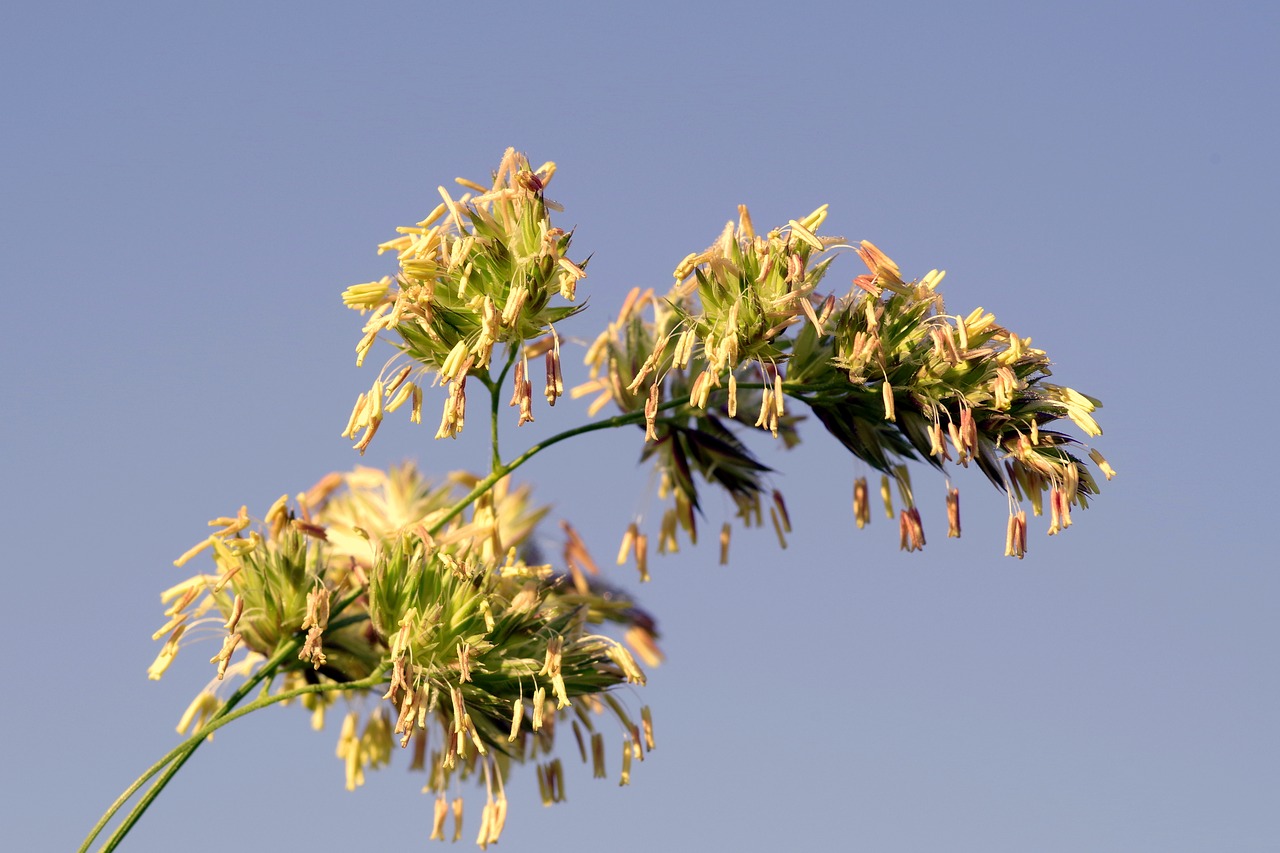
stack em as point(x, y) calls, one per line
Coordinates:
point(371, 681)
point(503, 469)
point(177, 756)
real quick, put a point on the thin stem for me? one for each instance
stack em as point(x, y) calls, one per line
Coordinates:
point(179, 754)
point(367, 683)
point(495, 389)
point(503, 469)
point(493, 426)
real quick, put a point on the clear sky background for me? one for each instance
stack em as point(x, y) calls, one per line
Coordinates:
point(185, 189)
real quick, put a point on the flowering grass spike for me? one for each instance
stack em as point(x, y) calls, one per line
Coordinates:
point(420, 610)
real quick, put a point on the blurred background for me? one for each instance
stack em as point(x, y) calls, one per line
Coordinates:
point(187, 188)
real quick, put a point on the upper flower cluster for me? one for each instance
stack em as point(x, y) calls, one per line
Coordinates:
point(478, 271)
point(885, 369)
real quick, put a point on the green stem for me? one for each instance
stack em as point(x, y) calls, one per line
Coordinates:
point(503, 469)
point(178, 756)
point(500, 469)
point(495, 388)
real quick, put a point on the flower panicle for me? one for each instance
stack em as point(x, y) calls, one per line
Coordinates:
point(429, 598)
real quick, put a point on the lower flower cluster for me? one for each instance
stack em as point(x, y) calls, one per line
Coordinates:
point(467, 650)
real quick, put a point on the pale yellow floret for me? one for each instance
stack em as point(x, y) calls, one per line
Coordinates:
point(628, 543)
point(539, 705)
point(953, 513)
point(471, 185)
point(626, 762)
point(200, 709)
point(193, 551)
point(517, 715)
point(170, 625)
point(486, 819)
point(646, 721)
point(277, 511)
point(188, 588)
point(357, 418)
point(459, 250)
point(365, 344)
point(685, 268)
point(457, 818)
point(767, 413)
point(933, 279)
point(399, 244)
point(625, 662)
point(642, 556)
point(401, 375)
point(167, 653)
point(1103, 465)
point(977, 322)
point(571, 268)
point(814, 220)
point(449, 370)
point(441, 814)
point(368, 295)
point(223, 657)
point(804, 235)
point(415, 411)
point(455, 210)
point(861, 503)
point(404, 394)
point(436, 213)
point(597, 756)
point(236, 611)
point(1086, 422)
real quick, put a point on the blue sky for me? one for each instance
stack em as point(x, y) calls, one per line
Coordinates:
point(187, 189)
